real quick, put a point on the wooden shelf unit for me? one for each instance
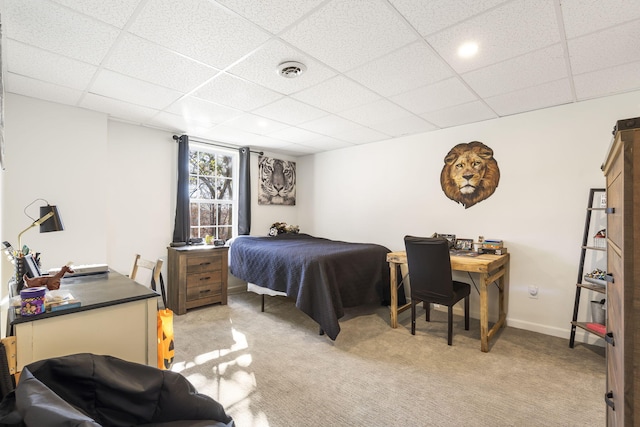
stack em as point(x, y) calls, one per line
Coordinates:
point(622, 171)
point(582, 282)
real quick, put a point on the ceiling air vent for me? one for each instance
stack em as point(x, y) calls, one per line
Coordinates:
point(291, 69)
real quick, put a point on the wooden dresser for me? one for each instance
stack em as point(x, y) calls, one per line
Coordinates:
point(197, 277)
point(622, 171)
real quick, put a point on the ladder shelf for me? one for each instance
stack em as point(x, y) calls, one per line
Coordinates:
point(591, 284)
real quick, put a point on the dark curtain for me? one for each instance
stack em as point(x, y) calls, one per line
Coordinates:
point(244, 192)
point(181, 228)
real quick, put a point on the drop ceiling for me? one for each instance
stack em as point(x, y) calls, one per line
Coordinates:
point(375, 69)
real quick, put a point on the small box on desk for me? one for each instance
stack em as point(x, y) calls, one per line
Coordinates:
point(492, 244)
point(500, 251)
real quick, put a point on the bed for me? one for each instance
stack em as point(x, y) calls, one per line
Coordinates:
point(323, 276)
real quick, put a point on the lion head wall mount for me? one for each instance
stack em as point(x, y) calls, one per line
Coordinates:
point(470, 173)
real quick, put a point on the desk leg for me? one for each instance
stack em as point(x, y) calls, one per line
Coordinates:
point(393, 308)
point(503, 313)
point(485, 333)
point(484, 314)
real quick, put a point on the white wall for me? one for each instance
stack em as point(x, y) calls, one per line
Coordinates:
point(57, 153)
point(548, 161)
point(140, 195)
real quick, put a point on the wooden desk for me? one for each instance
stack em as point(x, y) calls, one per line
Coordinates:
point(117, 317)
point(490, 268)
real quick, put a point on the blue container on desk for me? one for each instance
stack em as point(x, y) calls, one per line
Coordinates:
point(32, 301)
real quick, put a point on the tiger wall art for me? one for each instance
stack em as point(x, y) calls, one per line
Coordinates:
point(277, 181)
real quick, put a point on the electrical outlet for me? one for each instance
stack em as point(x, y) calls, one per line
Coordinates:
point(533, 292)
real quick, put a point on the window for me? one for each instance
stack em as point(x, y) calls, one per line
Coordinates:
point(213, 202)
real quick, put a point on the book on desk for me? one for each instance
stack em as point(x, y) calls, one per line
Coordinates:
point(63, 305)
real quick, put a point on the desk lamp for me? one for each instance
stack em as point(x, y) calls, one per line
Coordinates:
point(49, 221)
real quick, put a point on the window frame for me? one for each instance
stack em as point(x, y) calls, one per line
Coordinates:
point(233, 201)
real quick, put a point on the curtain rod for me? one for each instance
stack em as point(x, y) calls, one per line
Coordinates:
point(202, 141)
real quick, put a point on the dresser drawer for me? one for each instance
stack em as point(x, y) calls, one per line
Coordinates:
point(212, 290)
point(204, 263)
point(206, 278)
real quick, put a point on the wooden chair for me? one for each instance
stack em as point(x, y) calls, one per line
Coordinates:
point(156, 273)
point(9, 374)
point(431, 281)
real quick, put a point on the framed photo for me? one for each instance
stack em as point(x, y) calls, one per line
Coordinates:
point(450, 237)
point(277, 181)
point(464, 244)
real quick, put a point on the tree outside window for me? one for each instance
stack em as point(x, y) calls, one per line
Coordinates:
point(212, 201)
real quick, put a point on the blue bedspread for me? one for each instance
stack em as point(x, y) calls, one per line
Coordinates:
point(323, 276)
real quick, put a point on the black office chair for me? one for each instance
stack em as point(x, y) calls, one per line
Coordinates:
point(431, 281)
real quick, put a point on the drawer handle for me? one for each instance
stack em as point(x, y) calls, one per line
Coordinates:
point(610, 210)
point(205, 278)
point(609, 338)
point(206, 291)
point(609, 278)
point(609, 402)
point(205, 263)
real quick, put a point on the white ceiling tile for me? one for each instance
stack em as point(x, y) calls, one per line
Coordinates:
point(261, 67)
point(193, 65)
point(255, 124)
point(531, 69)
point(605, 49)
point(118, 109)
point(362, 136)
point(538, 97)
point(199, 29)
point(336, 94)
point(327, 143)
point(513, 29)
point(348, 33)
point(236, 93)
point(273, 15)
point(404, 126)
point(441, 95)
point(412, 66)
point(200, 110)
point(298, 150)
point(114, 85)
point(431, 16)
point(265, 142)
point(331, 125)
point(294, 134)
point(46, 66)
point(608, 81)
point(471, 112)
point(41, 90)
point(57, 29)
point(375, 112)
point(147, 61)
point(586, 16)
point(114, 12)
point(227, 134)
point(179, 124)
point(290, 111)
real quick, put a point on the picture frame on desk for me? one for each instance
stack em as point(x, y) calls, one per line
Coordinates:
point(450, 237)
point(464, 245)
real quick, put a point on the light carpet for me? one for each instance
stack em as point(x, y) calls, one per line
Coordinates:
point(273, 369)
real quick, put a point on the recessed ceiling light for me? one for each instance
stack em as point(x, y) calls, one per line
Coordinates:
point(468, 49)
point(291, 69)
